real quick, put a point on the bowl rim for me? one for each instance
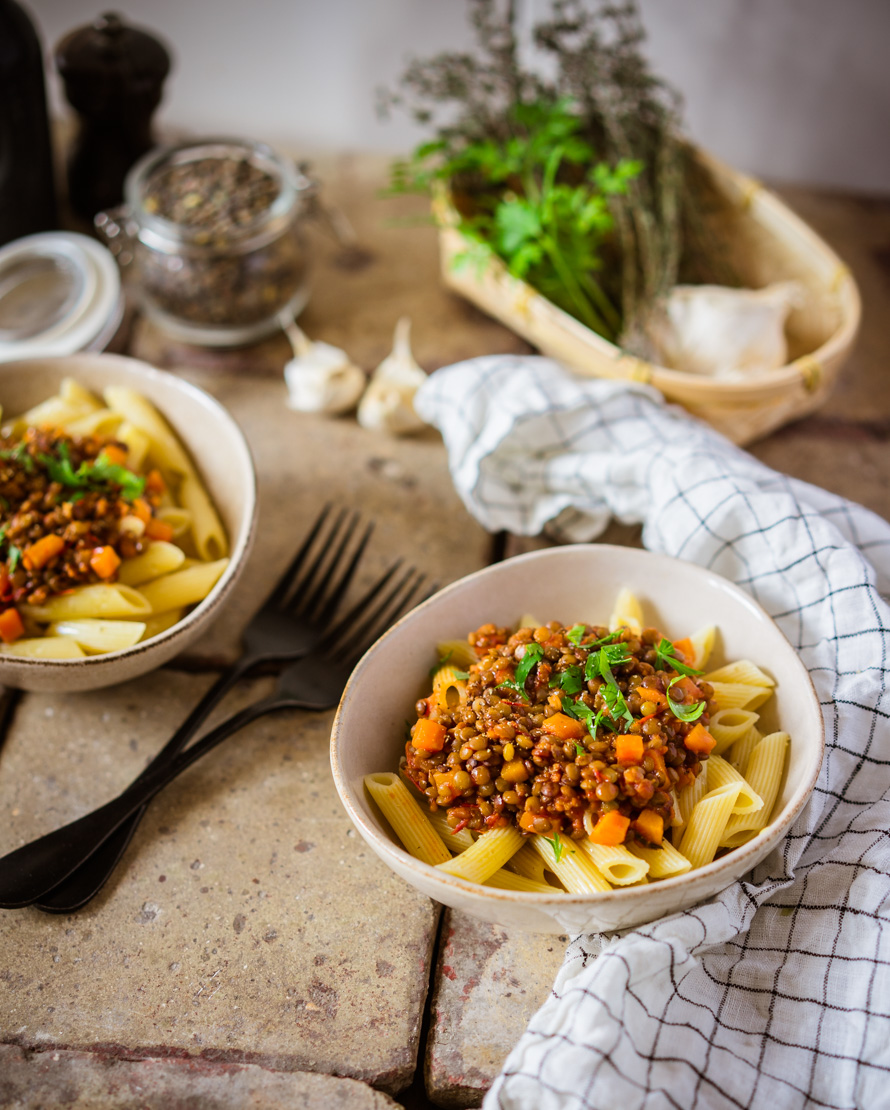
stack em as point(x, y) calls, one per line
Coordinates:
point(138, 370)
point(701, 877)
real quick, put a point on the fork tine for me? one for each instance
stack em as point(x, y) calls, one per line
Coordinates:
point(327, 595)
point(346, 624)
point(307, 586)
point(283, 586)
point(380, 617)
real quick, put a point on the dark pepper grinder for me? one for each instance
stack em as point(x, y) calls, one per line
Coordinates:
point(27, 192)
point(113, 76)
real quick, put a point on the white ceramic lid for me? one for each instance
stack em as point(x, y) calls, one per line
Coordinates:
point(60, 293)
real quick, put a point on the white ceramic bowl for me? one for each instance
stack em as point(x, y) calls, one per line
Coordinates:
point(569, 584)
point(220, 452)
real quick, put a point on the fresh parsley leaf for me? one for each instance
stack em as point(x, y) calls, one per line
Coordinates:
point(91, 474)
point(579, 750)
point(19, 454)
point(533, 654)
point(612, 655)
point(615, 703)
point(15, 556)
point(602, 721)
point(132, 486)
point(580, 712)
point(571, 680)
point(684, 712)
point(575, 634)
point(665, 655)
point(556, 844)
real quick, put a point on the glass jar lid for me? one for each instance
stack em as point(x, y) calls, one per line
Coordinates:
point(60, 293)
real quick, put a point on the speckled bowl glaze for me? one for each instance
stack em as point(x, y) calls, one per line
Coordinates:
point(223, 459)
point(570, 584)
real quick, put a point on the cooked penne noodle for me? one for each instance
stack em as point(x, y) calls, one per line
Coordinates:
point(689, 797)
point(729, 725)
point(627, 612)
point(449, 688)
point(707, 824)
point(407, 819)
point(102, 422)
point(617, 864)
point(664, 861)
point(86, 602)
point(136, 442)
point(742, 670)
point(77, 396)
point(527, 862)
point(182, 587)
point(180, 520)
point(720, 773)
point(160, 558)
point(741, 750)
point(509, 880)
point(703, 644)
point(576, 871)
point(457, 652)
point(740, 695)
point(98, 635)
point(487, 855)
point(44, 647)
point(455, 842)
point(207, 529)
point(528, 620)
point(764, 772)
point(160, 622)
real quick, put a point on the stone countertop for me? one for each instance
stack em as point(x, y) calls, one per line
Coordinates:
point(249, 943)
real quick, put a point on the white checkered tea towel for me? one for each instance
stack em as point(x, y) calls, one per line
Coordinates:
point(775, 993)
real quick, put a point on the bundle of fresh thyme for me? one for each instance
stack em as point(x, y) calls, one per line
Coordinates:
point(576, 181)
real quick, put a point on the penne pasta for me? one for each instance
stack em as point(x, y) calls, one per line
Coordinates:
point(102, 422)
point(160, 558)
point(487, 855)
point(689, 797)
point(703, 644)
point(509, 880)
point(707, 824)
point(160, 622)
point(99, 635)
point(527, 862)
point(729, 725)
point(407, 819)
point(180, 520)
point(136, 442)
point(627, 613)
point(575, 870)
point(664, 861)
point(182, 587)
point(764, 772)
point(44, 647)
point(740, 752)
point(87, 602)
point(742, 670)
point(457, 652)
point(739, 695)
point(720, 773)
point(618, 865)
point(455, 842)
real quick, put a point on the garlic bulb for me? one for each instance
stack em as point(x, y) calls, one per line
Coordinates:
point(320, 378)
point(388, 403)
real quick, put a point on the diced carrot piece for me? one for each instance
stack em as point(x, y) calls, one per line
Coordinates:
point(563, 727)
point(611, 829)
point(38, 554)
point(684, 650)
point(115, 454)
point(650, 825)
point(699, 740)
point(11, 626)
point(527, 821)
point(104, 561)
point(656, 697)
point(142, 509)
point(159, 530)
point(658, 759)
point(428, 736)
point(444, 781)
point(629, 748)
point(154, 481)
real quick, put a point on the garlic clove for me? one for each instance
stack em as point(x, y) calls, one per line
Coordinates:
point(388, 402)
point(320, 378)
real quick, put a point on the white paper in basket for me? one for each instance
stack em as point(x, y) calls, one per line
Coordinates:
point(777, 992)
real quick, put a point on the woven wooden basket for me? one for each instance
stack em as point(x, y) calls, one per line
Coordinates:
point(768, 243)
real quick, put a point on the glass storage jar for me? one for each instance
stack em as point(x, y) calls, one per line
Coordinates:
point(213, 232)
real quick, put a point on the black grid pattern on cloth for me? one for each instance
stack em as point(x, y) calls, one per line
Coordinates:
point(777, 991)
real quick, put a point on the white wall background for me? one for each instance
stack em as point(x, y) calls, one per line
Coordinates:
point(790, 90)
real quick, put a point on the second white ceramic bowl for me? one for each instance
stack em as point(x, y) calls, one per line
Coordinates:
point(220, 452)
point(570, 584)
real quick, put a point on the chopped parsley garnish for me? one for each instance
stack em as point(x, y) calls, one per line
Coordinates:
point(616, 704)
point(571, 680)
point(575, 633)
point(579, 750)
point(684, 712)
point(556, 844)
point(89, 475)
point(443, 659)
point(533, 654)
point(19, 454)
point(666, 657)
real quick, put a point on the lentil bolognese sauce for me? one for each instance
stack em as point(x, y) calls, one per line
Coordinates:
point(70, 511)
point(565, 730)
